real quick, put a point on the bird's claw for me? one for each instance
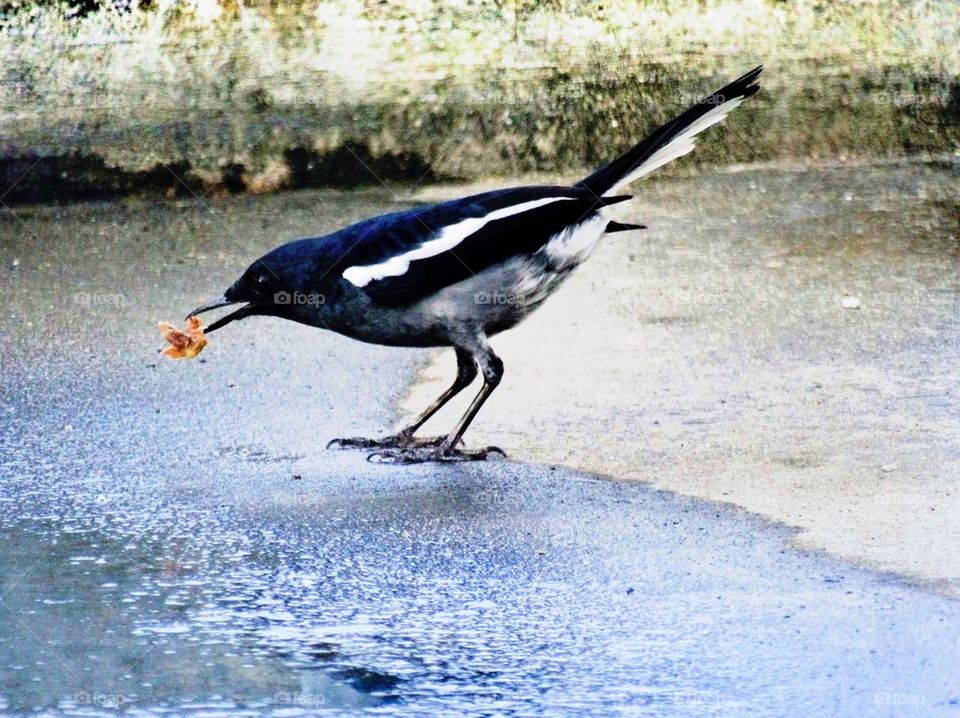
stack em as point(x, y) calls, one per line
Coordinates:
point(360, 442)
point(424, 454)
point(395, 441)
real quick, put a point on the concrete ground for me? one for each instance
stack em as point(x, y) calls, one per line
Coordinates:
point(786, 342)
point(174, 538)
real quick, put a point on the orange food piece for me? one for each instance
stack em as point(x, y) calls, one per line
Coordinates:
point(184, 344)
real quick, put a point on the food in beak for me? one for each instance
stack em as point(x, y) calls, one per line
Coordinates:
point(184, 344)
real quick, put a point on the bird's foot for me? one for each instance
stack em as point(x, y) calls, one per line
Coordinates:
point(401, 440)
point(424, 454)
point(360, 442)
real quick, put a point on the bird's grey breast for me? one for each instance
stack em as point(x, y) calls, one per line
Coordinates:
point(501, 296)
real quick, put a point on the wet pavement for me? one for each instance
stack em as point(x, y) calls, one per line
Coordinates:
point(176, 540)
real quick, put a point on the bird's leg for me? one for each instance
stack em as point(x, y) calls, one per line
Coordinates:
point(466, 373)
point(492, 374)
point(492, 368)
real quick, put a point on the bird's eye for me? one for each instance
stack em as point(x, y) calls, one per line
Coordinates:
point(261, 281)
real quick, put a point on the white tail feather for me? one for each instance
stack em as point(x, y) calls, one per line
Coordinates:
point(678, 146)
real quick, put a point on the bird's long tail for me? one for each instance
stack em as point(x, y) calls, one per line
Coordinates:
point(672, 140)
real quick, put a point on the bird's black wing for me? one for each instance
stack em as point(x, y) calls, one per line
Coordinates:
point(407, 256)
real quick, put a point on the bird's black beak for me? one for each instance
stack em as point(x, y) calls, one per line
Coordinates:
point(212, 303)
point(221, 301)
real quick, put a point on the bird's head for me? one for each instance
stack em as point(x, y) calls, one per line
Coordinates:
point(271, 286)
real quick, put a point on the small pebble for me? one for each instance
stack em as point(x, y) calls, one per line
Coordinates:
point(887, 468)
point(850, 302)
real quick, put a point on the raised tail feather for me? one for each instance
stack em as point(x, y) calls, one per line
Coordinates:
point(672, 140)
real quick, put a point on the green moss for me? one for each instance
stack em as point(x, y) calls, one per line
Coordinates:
point(470, 88)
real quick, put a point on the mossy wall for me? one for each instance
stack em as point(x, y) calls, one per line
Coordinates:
point(203, 97)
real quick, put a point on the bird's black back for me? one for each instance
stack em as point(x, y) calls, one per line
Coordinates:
point(379, 239)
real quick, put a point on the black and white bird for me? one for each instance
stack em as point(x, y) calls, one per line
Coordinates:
point(457, 273)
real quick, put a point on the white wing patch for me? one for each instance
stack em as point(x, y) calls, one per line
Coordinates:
point(448, 238)
point(679, 145)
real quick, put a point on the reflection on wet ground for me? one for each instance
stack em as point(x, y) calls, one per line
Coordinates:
point(497, 590)
point(158, 553)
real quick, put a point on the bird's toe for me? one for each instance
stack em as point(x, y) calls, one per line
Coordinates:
point(361, 442)
point(355, 442)
point(394, 456)
point(425, 454)
point(402, 440)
